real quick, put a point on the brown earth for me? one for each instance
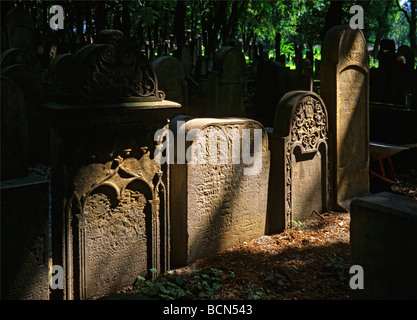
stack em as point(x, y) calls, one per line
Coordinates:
point(309, 261)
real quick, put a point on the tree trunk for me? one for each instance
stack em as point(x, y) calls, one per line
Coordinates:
point(126, 23)
point(179, 24)
point(333, 17)
point(382, 25)
point(277, 46)
point(413, 20)
point(101, 14)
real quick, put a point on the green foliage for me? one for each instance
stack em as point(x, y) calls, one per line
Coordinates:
point(336, 264)
point(204, 285)
point(297, 224)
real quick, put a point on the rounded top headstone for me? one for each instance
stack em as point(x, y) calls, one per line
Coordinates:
point(345, 46)
point(230, 61)
point(304, 112)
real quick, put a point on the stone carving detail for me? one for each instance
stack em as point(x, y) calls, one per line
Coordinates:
point(308, 129)
point(354, 52)
point(345, 91)
point(111, 70)
point(217, 204)
point(309, 124)
point(118, 228)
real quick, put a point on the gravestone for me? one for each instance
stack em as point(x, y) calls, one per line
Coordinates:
point(272, 82)
point(269, 88)
point(187, 61)
point(405, 78)
point(345, 91)
point(110, 209)
point(171, 79)
point(14, 131)
point(384, 77)
point(19, 56)
point(298, 183)
point(217, 204)
point(383, 242)
point(20, 29)
point(227, 83)
point(24, 238)
point(30, 81)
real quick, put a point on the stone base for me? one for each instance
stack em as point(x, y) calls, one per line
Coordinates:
point(383, 238)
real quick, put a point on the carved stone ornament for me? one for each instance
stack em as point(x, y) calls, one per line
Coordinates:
point(308, 130)
point(301, 119)
point(117, 233)
point(110, 70)
point(309, 124)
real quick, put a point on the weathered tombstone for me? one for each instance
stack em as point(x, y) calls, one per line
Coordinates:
point(227, 83)
point(171, 79)
point(404, 84)
point(56, 76)
point(24, 238)
point(272, 82)
point(384, 78)
point(295, 81)
point(217, 204)
point(186, 61)
point(345, 91)
point(110, 209)
point(383, 241)
point(20, 29)
point(19, 56)
point(14, 131)
point(269, 88)
point(30, 81)
point(298, 183)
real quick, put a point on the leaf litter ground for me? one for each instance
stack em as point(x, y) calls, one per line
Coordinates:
point(310, 261)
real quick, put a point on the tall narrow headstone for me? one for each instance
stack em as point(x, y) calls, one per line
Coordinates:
point(20, 29)
point(171, 79)
point(227, 83)
point(298, 183)
point(345, 91)
point(14, 131)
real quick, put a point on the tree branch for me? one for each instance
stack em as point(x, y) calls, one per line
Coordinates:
point(403, 10)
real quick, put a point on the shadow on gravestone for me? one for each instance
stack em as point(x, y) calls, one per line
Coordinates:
point(216, 205)
point(110, 209)
point(14, 131)
point(383, 242)
point(345, 91)
point(19, 56)
point(298, 182)
point(273, 80)
point(30, 81)
point(20, 29)
point(171, 80)
point(227, 83)
point(24, 239)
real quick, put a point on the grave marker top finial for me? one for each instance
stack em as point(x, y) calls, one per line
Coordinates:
point(112, 70)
